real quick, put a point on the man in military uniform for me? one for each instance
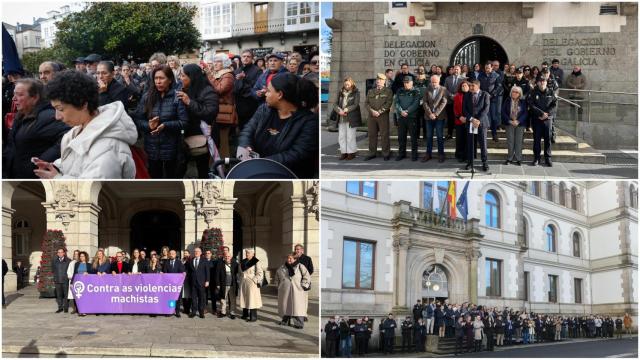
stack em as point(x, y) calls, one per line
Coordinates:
point(407, 330)
point(379, 101)
point(543, 104)
point(407, 102)
point(389, 333)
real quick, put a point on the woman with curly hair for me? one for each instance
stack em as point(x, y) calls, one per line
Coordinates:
point(97, 146)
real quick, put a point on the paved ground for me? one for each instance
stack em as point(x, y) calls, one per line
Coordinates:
point(621, 348)
point(30, 328)
point(580, 348)
point(620, 165)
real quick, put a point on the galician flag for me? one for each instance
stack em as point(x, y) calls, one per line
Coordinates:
point(462, 204)
point(451, 199)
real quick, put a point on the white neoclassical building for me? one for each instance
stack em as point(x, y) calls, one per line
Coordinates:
point(122, 215)
point(554, 247)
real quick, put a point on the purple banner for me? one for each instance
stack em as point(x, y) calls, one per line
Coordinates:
point(127, 294)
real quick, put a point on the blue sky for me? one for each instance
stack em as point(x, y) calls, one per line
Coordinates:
point(326, 11)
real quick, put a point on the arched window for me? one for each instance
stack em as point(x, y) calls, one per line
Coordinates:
point(576, 244)
point(551, 238)
point(492, 209)
point(563, 198)
point(21, 237)
point(633, 193)
point(549, 191)
point(574, 198)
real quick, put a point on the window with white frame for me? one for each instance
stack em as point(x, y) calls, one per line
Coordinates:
point(216, 19)
point(299, 13)
point(21, 237)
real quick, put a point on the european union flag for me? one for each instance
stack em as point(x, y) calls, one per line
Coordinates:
point(462, 203)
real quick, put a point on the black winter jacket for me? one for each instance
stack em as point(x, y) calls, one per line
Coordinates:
point(164, 146)
point(33, 135)
point(297, 143)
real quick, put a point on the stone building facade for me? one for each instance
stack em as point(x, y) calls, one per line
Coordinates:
point(551, 247)
point(270, 217)
point(369, 37)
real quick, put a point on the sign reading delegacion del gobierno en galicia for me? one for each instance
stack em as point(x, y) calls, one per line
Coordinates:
point(576, 51)
point(411, 52)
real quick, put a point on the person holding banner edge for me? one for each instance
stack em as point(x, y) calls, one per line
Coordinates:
point(174, 266)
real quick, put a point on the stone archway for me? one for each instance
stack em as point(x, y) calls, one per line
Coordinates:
point(455, 266)
point(478, 49)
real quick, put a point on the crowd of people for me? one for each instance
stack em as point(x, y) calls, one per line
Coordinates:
point(106, 120)
point(221, 280)
point(475, 328)
point(472, 103)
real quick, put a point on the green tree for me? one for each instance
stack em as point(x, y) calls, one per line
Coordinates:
point(31, 61)
point(130, 30)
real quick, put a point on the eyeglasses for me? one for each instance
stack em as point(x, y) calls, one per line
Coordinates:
point(314, 62)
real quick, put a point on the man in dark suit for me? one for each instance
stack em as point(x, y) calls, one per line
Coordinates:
point(61, 280)
point(225, 283)
point(199, 271)
point(120, 266)
point(5, 270)
point(451, 83)
point(174, 266)
point(21, 274)
point(476, 111)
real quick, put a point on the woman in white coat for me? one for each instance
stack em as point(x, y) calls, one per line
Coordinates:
point(292, 280)
point(70, 271)
point(250, 281)
point(98, 145)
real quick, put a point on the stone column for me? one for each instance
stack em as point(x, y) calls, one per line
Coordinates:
point(10, 281)
point(208, 204)
point(73, 208)
point(312, 246)
point(472, 257)
point(401, 246)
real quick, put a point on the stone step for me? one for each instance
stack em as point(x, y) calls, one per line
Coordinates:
point(563, 142)
point(587, 156)
point(501, 133)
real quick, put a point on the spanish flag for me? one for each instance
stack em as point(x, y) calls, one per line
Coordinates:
point(451, 199)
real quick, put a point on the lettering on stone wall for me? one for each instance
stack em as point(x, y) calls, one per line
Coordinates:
point(583, 51)
point(411, 52)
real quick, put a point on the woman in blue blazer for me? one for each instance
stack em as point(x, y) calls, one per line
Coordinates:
point(514, 119)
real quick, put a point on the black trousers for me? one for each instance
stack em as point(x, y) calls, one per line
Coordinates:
point(213, 296)
point(159, 169)
point(406, 342)
point(332, 347)
point(459, 347)
point(361, 345)
point(461, 142)
point(542, 131)
point(407, 125)
point(198, 299)
point(450, 119)
point(490, 340)
point(480, 141)
point(62, 292)
point(388, 344)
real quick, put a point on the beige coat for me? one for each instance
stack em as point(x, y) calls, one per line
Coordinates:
point(292, 299)
point(249, 292)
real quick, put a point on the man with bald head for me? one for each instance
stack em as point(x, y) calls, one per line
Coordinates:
point(434, 103)
point(48, 69)
point(225, 282)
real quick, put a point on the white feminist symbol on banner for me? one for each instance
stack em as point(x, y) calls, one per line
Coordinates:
point(78, 286)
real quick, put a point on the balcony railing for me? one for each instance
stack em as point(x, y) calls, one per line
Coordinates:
point(258, 27)
point(431, 219)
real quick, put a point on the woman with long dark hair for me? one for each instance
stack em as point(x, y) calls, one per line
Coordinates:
point(201, 103)
point(284, 129)
point(161, 117)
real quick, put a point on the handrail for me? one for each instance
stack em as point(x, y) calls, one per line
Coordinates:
point(570, 102)
point(599, 91)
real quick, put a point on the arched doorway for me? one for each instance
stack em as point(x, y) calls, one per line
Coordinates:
point(435, 285)
point(153, 229)
point(478, 50)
